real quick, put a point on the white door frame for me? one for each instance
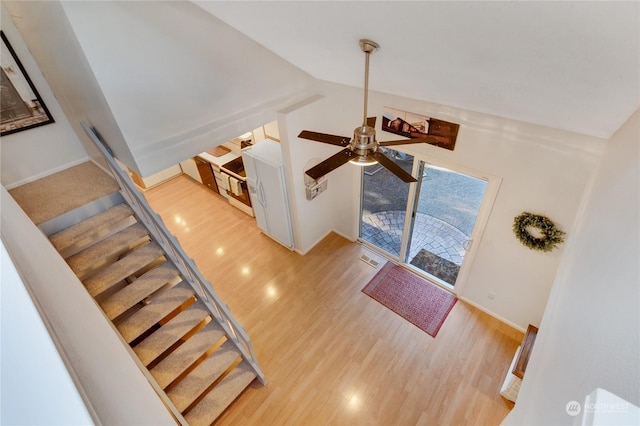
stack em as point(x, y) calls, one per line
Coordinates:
point(482, 218)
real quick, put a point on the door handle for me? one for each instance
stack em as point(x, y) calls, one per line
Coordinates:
point(466, 245)
point(263, 200)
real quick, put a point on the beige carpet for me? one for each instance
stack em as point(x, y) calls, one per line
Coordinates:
point(64, 191)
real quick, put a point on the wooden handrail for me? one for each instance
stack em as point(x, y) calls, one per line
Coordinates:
point(525, 352)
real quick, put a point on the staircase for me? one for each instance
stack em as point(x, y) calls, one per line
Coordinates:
point(188, 345)
point(175, 336)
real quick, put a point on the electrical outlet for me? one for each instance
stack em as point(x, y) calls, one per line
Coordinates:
point(492, 295)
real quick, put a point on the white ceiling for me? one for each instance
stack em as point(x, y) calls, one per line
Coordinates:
point(568, 65)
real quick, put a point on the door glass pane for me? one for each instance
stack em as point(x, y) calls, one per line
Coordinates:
point(445, 211)
point(384, 203)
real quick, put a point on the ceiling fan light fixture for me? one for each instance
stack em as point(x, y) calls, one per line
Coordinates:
point(363, 160)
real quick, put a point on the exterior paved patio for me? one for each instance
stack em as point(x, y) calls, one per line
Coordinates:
point(384, 229)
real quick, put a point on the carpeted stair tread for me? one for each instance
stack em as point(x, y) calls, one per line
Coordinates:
point(133, 293)
point(103, 251)
point(184, 356)
point(220, 397)
point(167, 335)
point(127, 266)
point(95, 225)
point(203, 376)
point(159, 307)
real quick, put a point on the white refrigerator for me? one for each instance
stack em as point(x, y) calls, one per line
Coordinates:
point(268, 191)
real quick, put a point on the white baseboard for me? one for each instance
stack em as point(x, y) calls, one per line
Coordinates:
point(344, 236)
point(493, 314)
point(303, 252)
point(47, 173)
point(101, 167)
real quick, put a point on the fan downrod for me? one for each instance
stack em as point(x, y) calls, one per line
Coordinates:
point(364, 138)
point(367, 47)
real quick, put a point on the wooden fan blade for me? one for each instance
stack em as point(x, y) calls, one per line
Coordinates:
point(330, 164)
point(392, 167)
point(325, 138)
point(427, 139)
point(371, 122)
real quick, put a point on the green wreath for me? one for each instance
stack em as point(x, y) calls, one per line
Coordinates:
point(548, 235)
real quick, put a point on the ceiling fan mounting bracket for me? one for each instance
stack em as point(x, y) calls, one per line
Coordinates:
point(368, 46)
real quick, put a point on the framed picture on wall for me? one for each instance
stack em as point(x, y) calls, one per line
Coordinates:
point(21, 107)
point(442, 133)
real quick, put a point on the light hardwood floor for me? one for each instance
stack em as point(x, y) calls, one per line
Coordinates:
point(333, 355)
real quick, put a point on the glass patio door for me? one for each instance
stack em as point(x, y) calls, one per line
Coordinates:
point(384, 205)
point(445, 208)
point(442, 208)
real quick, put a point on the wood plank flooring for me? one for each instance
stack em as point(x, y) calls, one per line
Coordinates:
point(332, 355)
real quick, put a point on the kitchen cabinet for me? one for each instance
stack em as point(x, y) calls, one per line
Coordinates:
point(206, 174)
point(271, 130)
point(157, 178)
point(216, 162)
point(190, 169)
point(220, 180)
point(162, 176)
point(258, 134)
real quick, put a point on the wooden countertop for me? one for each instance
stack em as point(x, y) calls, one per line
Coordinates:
point(218, 161)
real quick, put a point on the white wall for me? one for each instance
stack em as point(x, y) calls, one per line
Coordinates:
point(113, 387)
point(160, 80)
point(543, 170)
point(33, 391)
point(178, 80)
point(43, 150)
point(46, 31)
point(590, 332)
point(333, 210)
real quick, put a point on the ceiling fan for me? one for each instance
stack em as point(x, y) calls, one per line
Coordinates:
point(362, 149)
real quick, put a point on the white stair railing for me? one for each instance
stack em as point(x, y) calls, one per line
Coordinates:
point(176, 254)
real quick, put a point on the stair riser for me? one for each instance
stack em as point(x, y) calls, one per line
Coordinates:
point(68, 219)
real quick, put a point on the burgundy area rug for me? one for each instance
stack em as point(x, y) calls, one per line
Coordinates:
point(423, 304)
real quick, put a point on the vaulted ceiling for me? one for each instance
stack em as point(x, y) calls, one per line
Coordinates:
point(568, 65)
